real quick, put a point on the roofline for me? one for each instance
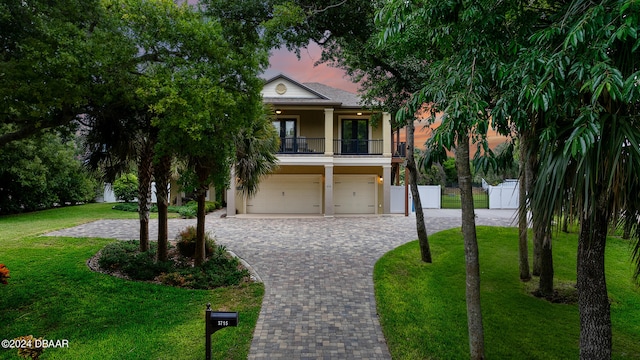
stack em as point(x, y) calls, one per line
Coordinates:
point(283, 76)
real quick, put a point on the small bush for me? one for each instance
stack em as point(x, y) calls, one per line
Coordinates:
point(126, 187)
point(186, 242)
point(187, 212)
point(131, 207)
point(4, 274)
point(124, 256)
point(219, 270)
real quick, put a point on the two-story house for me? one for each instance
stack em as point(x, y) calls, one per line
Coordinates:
point(332, 159)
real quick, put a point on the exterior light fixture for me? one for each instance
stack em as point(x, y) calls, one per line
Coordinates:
point(359, 114)
point(278, 111)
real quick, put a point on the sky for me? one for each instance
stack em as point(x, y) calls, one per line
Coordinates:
point(283, 62)
point(303, 70)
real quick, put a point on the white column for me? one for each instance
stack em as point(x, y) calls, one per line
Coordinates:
point(386, 189)
point(386, 135)
point(328, 191)
point(231, 194)
point(328, 132)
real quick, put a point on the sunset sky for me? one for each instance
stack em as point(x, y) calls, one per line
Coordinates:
point(303, 70)
point(282, 61)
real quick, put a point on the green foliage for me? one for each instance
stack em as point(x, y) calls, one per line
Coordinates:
point(131, 207)
point(42, 172)
point(52, 290)
point(186, 242)
point(422, 306)
point(219, 270)
point(450, 170)
point(124, 256)
point(126, 187)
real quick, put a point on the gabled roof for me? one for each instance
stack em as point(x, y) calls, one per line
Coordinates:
point(283, 90)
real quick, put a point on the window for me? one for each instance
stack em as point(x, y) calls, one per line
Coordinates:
point(286, 129)
point(355, 136)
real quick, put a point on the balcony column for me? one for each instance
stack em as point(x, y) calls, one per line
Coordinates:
point(328, 132)
point(386, 188)
point(386, 135)
point(328, 191)
point(231, 194)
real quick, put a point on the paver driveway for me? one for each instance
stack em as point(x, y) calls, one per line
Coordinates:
point(319, 301)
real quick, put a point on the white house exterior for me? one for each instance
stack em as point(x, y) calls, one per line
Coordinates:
point(332, 160)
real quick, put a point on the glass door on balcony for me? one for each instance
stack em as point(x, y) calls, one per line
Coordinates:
point(286, 128)
point(355, 136)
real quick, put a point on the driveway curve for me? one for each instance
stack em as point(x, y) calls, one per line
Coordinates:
point(319, 300)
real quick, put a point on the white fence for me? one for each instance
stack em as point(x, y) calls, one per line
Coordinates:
point(429, 197)
point(108, 196)
point(503, 196)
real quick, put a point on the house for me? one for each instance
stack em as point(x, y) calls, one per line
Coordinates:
point(333, 159)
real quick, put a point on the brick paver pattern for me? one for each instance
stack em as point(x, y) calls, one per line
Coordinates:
point(319, 299)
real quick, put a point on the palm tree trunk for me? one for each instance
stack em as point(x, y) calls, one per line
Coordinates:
point(593, 300)
point(145, 174)
point(523, 228)
point(421, 228)
point(162, 172)
point(201, 194)
point(472, 261)
point(546, 266)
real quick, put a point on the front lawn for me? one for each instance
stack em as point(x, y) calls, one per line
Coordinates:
point(52, 294)
point(423, 312)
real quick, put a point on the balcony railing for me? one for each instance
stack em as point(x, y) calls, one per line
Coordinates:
point(301, 145)
point(357, 147)
point(400, 150)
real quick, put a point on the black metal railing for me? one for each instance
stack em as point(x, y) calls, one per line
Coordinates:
point(357, 147)
point(400, 150)
point(301, 145)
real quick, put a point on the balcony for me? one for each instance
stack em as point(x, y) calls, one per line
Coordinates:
point(307, 146)
point(301, 145)
point(358, 147)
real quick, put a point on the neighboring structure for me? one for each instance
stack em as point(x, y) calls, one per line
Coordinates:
point(332, 160)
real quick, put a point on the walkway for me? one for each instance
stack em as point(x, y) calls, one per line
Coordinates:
point(319, 301)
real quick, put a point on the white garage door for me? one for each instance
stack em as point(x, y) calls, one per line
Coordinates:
point(354, 194)
point(288, 194)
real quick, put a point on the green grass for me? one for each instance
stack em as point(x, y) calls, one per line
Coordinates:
point(423, 313)
point(452, 201)
point(53, 294)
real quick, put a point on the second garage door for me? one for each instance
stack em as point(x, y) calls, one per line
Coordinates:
point(288, 194)
point(354, 194)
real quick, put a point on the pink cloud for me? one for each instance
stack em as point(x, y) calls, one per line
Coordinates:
point(303, 70)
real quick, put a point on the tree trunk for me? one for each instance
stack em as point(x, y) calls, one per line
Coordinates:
point(545, 287)
point(474, 313)
point(162, 172)
point(199, 256)
point(593, 300)
point(423, 240)
point(145, 174)
point(201, 194)
point(523, 224)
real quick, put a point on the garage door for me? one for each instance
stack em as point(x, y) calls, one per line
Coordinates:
point(354, 194)
point(288, 194)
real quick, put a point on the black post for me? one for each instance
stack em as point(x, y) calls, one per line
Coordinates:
point(216, 320)
point(208, 332)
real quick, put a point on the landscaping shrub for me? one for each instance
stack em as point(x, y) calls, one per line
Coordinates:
point(188, 212)
point(186, 242)
point(124, 256)
point(126, 187)
point(218, 270)
point(131, 207)
point(4, 274)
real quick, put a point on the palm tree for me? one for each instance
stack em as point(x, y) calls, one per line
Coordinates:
point(256, 147)
point(590, 148)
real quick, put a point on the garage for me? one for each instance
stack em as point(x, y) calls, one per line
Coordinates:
point(355, 194)
point(288, 194)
